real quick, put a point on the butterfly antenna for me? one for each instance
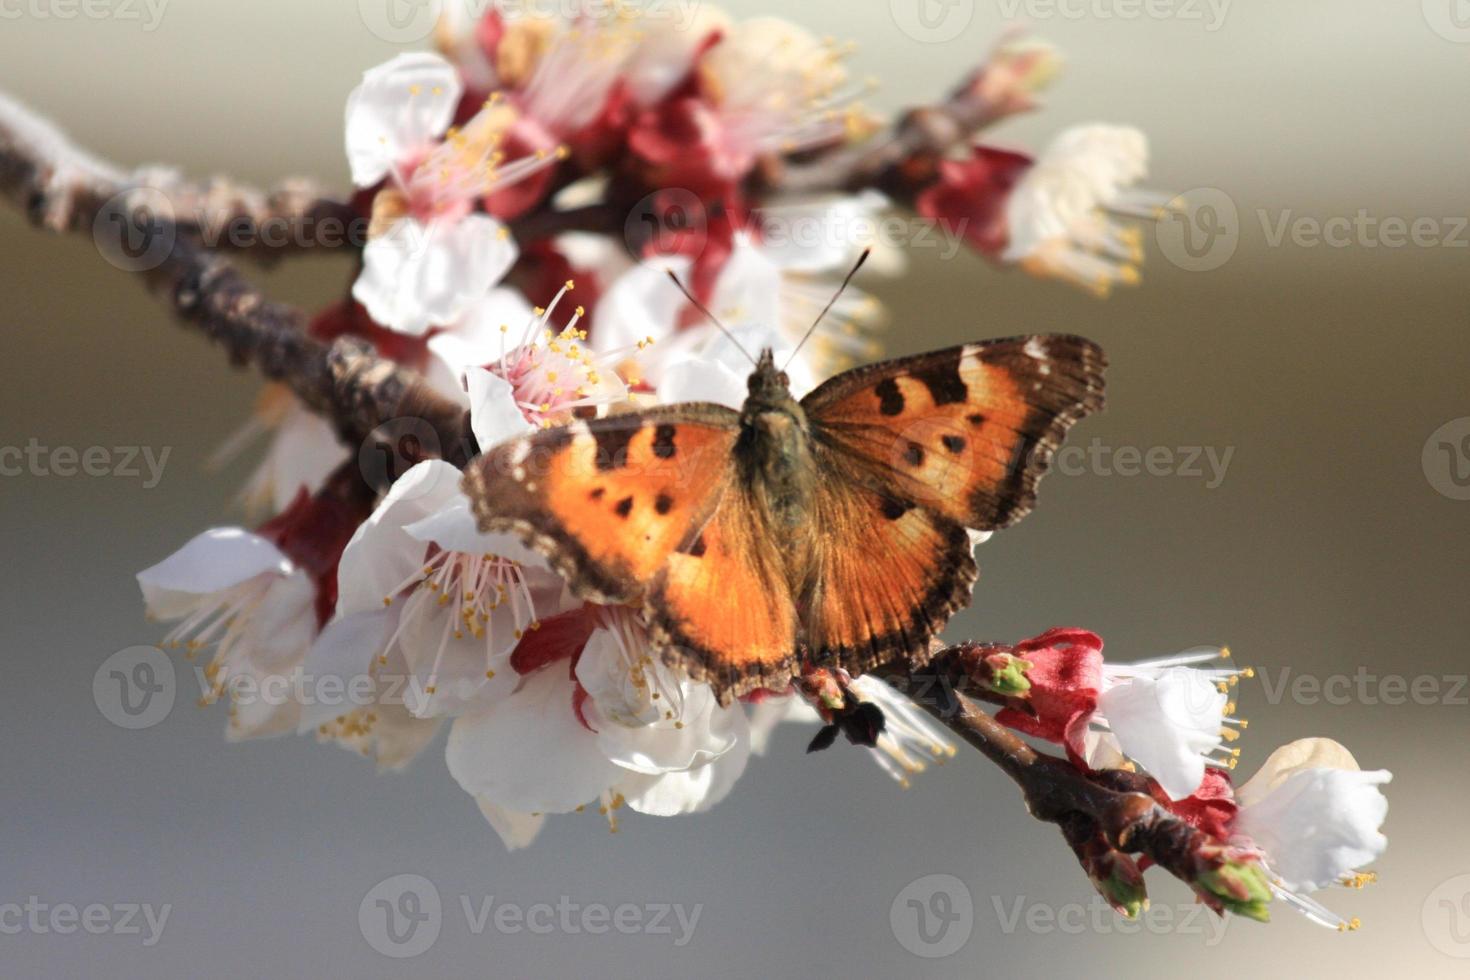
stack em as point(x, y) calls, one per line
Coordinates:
point(712, 318)
point(830, 303)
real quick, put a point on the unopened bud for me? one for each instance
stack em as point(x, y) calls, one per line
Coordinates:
point(1006, 675)
point(1240, 886)
point(1123, 888)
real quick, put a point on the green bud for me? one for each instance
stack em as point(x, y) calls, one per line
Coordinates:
point(1008, 676)
point(1124, 891)
point(1241, 887)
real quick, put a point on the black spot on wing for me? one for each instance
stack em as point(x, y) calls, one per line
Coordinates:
point(696, 550)
point(662, 503)
point(612, 445)
point(893, 508)
point(913, 454)
point(597, 493)
point(954, 444)
point(624, 507)
point(976, 418)
point(663, 441)
point(942, 378)
point(890, 399)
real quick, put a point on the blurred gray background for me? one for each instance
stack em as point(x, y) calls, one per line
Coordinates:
point(1334, 546)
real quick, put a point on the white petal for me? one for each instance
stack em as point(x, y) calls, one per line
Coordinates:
point(1304, 753)
point(494, 414)
point(400, 106)
point(455, 667)
point(1318, 825)
point(344, 651)
point(265, 712)
point(707, 733)
point(821, 236)
point(1083, 169)
point(1167, 724)
point(529, 752)
point(1101, 750)
point(210, 562)
point(702, 379)
point(517, 830)
point(748, 290)
point(640, 303)
point(453, 528)
point(417, 276)
point(382, 554)
point(280, 630)
point(303, 452)
point(687, 791)
point(397, 736)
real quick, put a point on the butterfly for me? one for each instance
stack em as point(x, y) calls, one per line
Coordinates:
point(831, 531)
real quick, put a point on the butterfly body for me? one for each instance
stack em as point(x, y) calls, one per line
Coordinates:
point(773, 451)
point(830, 530)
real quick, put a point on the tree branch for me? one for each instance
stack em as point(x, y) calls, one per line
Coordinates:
point(63, 188)
point(1104, 816)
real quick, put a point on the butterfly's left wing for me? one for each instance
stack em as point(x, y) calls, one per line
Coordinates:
point(644, 507)
point(922, 448)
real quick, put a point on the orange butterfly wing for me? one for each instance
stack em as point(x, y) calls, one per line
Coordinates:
point(966, 432)
point(722, 606)
point(922, 448)
point(887, 575)
point(643, 506)
point(608, 500)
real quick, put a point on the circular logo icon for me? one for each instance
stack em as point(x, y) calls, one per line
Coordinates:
point(671, 221)
point(932, 21)
point(401, 916)
point(933, 916)
point(400, 21)
point(394, 448)
point(135, 229)
point(134, 688)
point(1200, 229)
point(1446, 459)
point(1450, 19)
point(1446, 917)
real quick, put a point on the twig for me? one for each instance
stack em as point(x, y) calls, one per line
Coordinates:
point(63, 188)
point(906, 156)
point(1104, 816)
